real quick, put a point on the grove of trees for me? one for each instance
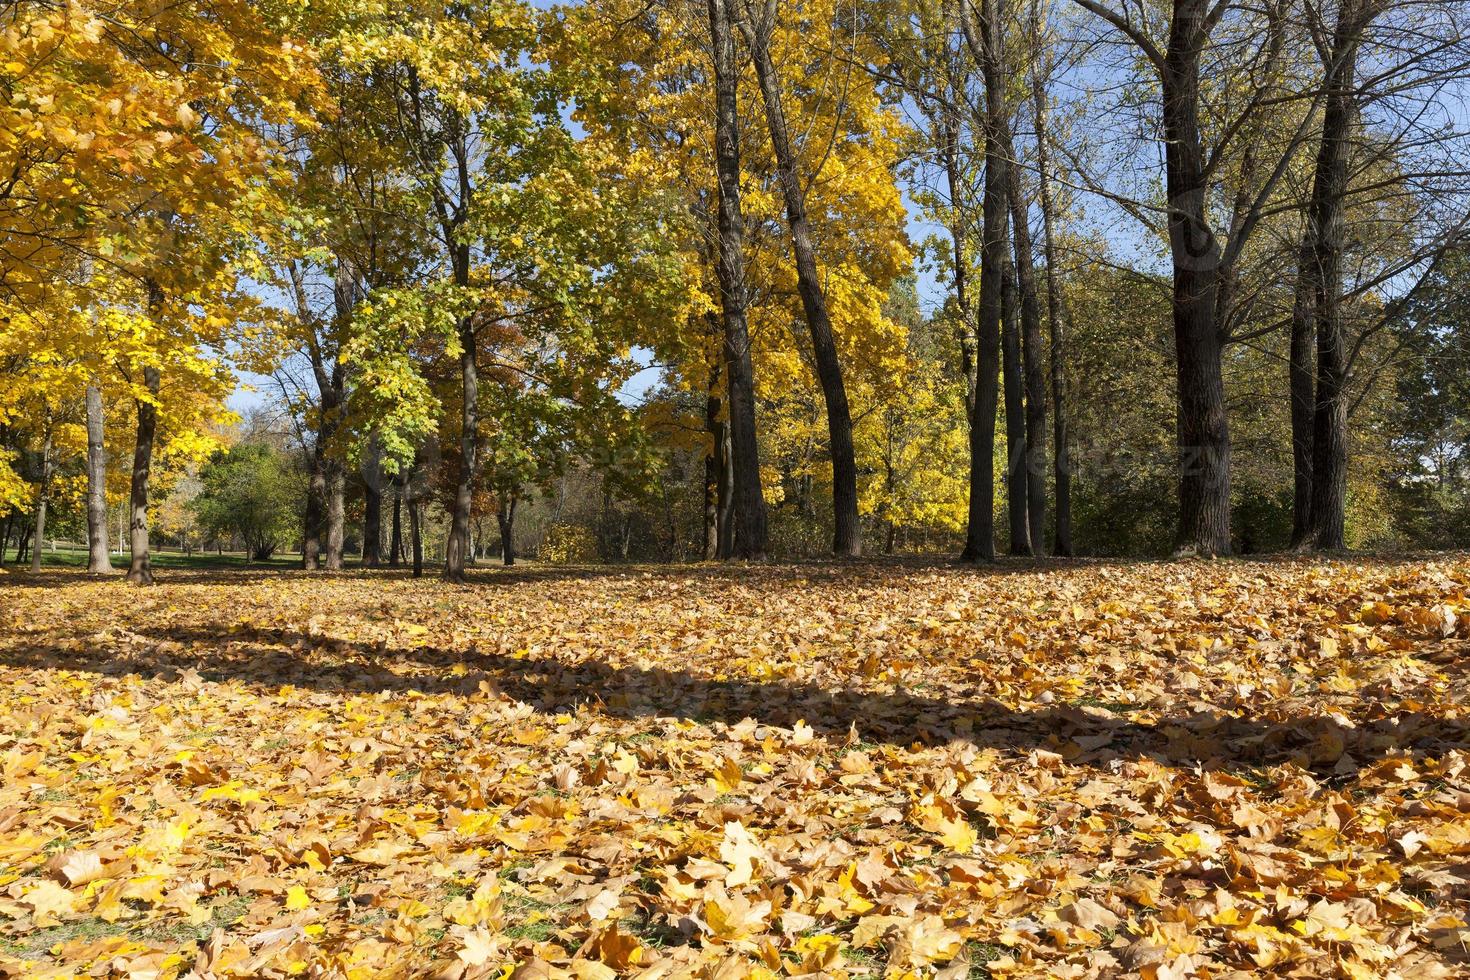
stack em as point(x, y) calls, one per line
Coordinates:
point(676, 279)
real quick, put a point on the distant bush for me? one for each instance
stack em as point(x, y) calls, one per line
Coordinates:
point(568, 544)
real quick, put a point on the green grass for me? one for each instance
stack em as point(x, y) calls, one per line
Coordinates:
point(168, 560)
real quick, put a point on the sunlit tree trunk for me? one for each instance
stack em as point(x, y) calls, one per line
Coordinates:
point(847, 532)
point(98, 560)
point(1017, 478)
point(750, 504)
point(43, 497)
point(1033, 374)
point(140, 569)
point(984, 43)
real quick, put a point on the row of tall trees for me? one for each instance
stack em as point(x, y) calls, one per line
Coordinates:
point(453, 235)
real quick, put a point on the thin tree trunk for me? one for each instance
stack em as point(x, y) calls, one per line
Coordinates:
point(1061, 466)
point(415, 533)
point(714, 467)
point(1326, 229)
point(43, 496)
point(459, 527)
point(316, 497)
point(98, 560)
point(507, 521)
point(1017, 478)
point(372, 511)
point(395, 543)
point(1301, 374)
point(750, 504)
point(140, 569)
point(1031, 363)
point(847, 532)
point(984, 45)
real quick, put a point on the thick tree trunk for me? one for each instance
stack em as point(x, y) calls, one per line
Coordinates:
point(1031, 362)
point(140, 569)
point(847, 532)
point(750, 504)
point(43, 497)
point(985, 45)
point(98, 560)
point(1326, 231)
point(1017, 478)
point(1203, 436)
point(506, 518)
point(336, 515)
point(1056, 323)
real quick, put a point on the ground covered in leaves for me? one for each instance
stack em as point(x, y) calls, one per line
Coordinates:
point(1165, 770)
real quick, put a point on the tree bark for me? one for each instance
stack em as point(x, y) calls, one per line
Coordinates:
point(1017, 477)
point(1202, 434)
point(336, 515)
point(457, 546)
point(316, 496)
point(372, 510)
point(1031, 361)
point(847, 532)
point(750, 504)
point(415, 533)
point(1301, 374)
point(395, 541)
point(1323, 251)
point(43, 496)
point(140, 568)
point(506, 518)
point(98, 560)
point(719, 540)
point(984, 44)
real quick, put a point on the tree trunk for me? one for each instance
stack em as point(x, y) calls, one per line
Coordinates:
point(1017, 478)
point(847, 532)
point(1301, 371)
point(98, 560)
point(372, 510)
point(984, 44)
point(716, 518)
point(1031, 354)
point(415, 533)
point(395, 543)
point(1061, 466)
point(507, 521)
point(750, 504)
point(459, 526)
point(316, 499)
point(1326, 226)
point(1202, 435)
point(140, 570)
point(336, 515)
point(43, 495)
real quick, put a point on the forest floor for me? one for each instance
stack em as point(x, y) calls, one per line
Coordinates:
point(1071, 770)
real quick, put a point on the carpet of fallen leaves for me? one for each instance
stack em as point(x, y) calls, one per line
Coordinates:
point(1166, 770)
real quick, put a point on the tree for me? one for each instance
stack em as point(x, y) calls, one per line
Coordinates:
point(250, 491)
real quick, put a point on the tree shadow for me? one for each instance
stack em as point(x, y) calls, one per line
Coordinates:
point(1195, 736)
